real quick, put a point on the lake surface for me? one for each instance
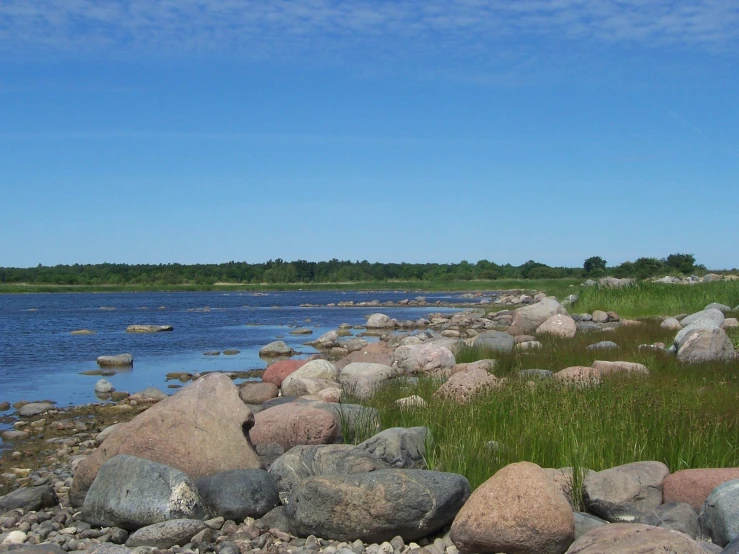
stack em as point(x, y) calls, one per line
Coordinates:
point(41, 359)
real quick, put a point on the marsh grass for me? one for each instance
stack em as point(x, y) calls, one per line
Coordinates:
point(653, 299)
point(683, 415)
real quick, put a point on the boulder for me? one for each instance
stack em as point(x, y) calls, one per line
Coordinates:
point(29, 499)
point(376, 506)
point(362, 379)
point(540, 374)
point(631, 538)
point(375, 353)
point(705, 319)
point(465, 385)
point(149, 394)
point(704, 345)
point(677, 516)
point(201, 431)
point(166, 534)
point(519, 510)
point(276, 372)
point(527, 319)
point(487, 365)
point(730, 323)
point(292, 424)
point(301, 462)
point(498, 341)
point(379, 321)
point(149, 328)
point(723, 308)
point(239, 493)
point(314, 369)
point(671, 324)
point(305, 386)
point(599, 316)
point(103, 386)
point(257, 393)
point(559, 325)
point(34, 408)
point(130, 492)
point(614, 282)
point(276, 348)
point(602, 345)
point(399, 447)
point(327, 340)
point(426, 358)
point(625, 493)
point(584, 523)
point(694, 485)
point(620, 368)
point(719, 518)
point(119, 360)
point(580, 376)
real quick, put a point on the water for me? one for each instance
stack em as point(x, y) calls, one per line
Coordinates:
point(41, 359)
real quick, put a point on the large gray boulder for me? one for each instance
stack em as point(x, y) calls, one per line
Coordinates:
point(400, 447)
point(119, 360)
point(29, 499)
point(705, 345)
point(362, 379)
point(276, 348)
point(495, 340)
point(625, 493)
point(200, 430)
point(131, 492)
point(301, 462)
point(377, 506)
point(379, 321)
point(166, 534)
point(424, 359)
point(527, 319)
point(315, 369)
point(677, 516)
point(719, 518)
point(239, 493)
point(34, 408)
point(705, 319)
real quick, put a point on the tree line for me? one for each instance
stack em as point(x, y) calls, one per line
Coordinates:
point(333, 271)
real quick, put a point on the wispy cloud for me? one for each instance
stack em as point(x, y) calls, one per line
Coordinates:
point(342, 29)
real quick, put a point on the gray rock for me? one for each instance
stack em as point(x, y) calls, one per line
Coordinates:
point(377, 506)
point(705, 319)
point(131, 492)
point(14, 435)
point(677, 516)
point(166, 534)
point(603, 345)
point(239, 493)
point(108, 548)
point(104, 386)
point(732, 547)
point(671, 323)
point(275, 519)
point(34, 409)
point(362, 379)
point(529, 374)
point(719, 518)
point(29, 499)
point(399, 447)
point(527, 319)
point(37, 549)
point(301, 462)
point(717, 306)
point(625, 493)
point(379, 321)
point(495, 340)
point(276, 348)
point(585, 522)
point(122, 360)
point(703, 345)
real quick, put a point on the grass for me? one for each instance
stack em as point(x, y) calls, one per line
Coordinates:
point(686, 416)
point(557, 287)
point(651, 299)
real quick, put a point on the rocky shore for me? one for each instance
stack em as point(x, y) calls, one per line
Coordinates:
point(267, 466)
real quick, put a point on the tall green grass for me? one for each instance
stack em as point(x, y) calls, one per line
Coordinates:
point(652, 299)
point(685, 416)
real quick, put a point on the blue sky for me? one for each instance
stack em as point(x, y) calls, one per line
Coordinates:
point(148, 131)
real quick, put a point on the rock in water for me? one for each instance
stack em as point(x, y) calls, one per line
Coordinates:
point(201, 431)
point(517, 510)
point(301, 462)
point(239, 493)
point(149, 328)
point(276, 348)
point(377, 506)
point(130, 493)
point(122, 360)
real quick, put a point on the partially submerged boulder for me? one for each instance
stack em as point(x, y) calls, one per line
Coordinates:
point(201, 430)
point(276, 348)
point(137, 328)
point(119, 360)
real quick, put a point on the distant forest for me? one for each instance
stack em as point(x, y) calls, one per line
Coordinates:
point(334, 271)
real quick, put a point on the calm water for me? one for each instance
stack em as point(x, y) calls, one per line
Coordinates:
point(40, 359)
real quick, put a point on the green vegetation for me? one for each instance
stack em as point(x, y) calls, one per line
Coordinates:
point(651, 299)
point(685, 416)
point(279, 272)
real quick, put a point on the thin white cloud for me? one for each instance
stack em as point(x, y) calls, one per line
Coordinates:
point(349, 28)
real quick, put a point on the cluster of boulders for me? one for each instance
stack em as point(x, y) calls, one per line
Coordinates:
point(694, 279)
point(198, 471)
point(701, 336)
point(469, 299)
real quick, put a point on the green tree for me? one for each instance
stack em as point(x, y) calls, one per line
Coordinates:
point(682, 263)
point(594, 266)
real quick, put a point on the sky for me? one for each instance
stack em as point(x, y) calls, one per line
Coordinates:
point(203, 131)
